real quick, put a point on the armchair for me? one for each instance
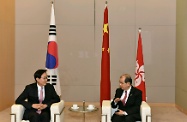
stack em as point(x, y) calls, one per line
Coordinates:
point(107, 111)
point(57, 112)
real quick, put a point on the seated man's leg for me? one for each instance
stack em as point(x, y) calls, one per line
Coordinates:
point(45, 116)
point(129, 118)
point(117, 118)
point(33, 116)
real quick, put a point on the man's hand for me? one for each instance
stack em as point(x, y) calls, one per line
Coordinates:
point(117, 100)
point(120, 112)
point(39, 106)
point(43, 106)
point(36, 106)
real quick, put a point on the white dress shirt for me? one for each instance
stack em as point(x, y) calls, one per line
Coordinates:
point(123, 95)
point(39, 90)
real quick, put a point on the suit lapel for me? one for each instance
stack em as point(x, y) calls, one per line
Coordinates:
point(119, 94)
point(35, 91)
point(46, 92)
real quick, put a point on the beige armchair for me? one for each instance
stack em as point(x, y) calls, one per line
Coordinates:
point(57, 112)
point(107, 111)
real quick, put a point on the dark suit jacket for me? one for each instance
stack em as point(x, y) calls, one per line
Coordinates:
point(133, 102)
point(31, 94)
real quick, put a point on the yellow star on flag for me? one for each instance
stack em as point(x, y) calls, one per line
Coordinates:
point(105, 29)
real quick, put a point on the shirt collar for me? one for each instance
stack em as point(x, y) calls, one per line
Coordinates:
point(128, 91)
point(39, 87)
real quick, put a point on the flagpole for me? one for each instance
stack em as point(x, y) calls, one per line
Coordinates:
point(139, 30)
point(106, 2)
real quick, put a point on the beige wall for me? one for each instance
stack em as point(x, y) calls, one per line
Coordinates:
point(7, 32)
point(181, 55)
point(79, 36)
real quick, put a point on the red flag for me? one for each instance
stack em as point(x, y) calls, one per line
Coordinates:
point(105, 61)
point(139, 73)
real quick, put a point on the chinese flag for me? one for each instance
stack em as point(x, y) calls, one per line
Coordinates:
point(139, 73)
point(105, 61)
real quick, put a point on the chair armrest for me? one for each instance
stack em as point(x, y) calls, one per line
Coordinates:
point(57, 111)
point(145, 111)
point(106, 111)
point(17, 111)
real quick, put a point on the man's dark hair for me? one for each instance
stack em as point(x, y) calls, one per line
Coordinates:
point(39, 73)
point(128, 79)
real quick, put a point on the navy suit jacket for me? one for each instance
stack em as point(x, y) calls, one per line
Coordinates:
point(31, 94)
point(133, 102)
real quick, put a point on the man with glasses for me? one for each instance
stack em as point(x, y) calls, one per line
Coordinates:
point(128, 100)
point(37, 98)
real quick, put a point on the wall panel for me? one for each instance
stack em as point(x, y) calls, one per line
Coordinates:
point(7, 32)
point(181, 55)
point(79, 37)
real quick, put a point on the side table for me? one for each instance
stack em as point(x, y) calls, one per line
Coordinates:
point(83, 109)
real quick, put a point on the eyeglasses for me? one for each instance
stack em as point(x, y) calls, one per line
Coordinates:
point(45, 78)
